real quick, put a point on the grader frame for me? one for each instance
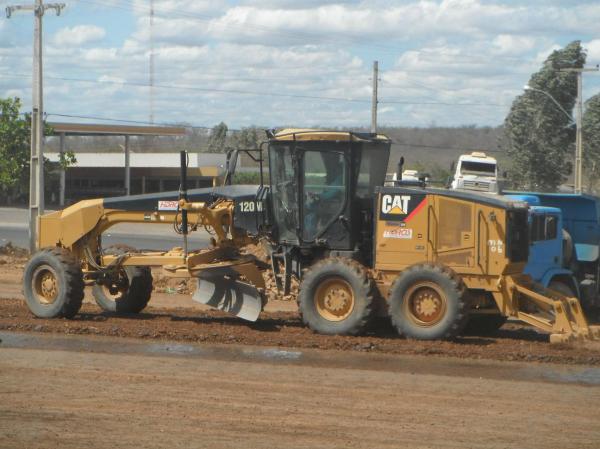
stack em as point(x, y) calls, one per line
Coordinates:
point(410, 228)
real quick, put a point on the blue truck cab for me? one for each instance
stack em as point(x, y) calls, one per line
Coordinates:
point(581, 223)
point(546, 263)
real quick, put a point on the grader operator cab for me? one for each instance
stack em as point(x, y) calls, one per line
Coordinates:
point(433, 260)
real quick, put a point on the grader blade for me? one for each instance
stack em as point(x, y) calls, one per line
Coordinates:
point(222, 290)
point(558, 314)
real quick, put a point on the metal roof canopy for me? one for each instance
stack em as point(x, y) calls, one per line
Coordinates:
point(93, 129)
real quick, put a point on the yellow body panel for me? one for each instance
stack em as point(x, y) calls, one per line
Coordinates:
point(466, 236)
point(64, 228)
point(470, 238)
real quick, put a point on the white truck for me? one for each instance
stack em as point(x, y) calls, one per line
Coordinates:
point(476, 171)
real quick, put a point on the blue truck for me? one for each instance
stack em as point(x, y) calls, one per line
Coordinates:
point(568, 258)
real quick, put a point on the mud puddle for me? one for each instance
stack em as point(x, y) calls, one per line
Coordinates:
point(417, 365)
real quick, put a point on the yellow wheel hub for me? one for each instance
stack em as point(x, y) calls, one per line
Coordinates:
point(45, 285)
point(425, 304)
point(334, 299)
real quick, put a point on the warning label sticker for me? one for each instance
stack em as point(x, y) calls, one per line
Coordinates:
point(168, 205)
point(398, 233)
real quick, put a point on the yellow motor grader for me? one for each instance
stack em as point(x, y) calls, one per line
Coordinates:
point(436, 261)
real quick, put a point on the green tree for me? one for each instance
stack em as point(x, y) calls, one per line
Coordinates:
point(15, 138)
point(218, 138)
point(591, 142)
point(246, 138)
point(539, 136)
point(14, 149)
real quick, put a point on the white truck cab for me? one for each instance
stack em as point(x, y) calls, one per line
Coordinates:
point(476, 171)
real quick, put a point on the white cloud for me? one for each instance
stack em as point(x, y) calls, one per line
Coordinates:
point(508, 44)
point(593, 51)
point(78, 35)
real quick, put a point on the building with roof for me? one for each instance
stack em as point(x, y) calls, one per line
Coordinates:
point(96, 175)
point(103, 174)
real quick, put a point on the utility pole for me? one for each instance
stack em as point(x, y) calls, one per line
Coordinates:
point(577, 188)
point(151, 62)
point(36, 174)
point(374, 101)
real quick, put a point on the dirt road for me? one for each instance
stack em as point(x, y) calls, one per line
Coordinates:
point(181, 376)
point(86, 399)
point(284, 329)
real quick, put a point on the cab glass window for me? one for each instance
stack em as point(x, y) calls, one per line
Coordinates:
point(324, 195)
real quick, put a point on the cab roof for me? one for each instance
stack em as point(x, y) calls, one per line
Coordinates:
point(304, 134)
point(477, 156)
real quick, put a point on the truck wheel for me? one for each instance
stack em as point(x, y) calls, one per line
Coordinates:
point(484, 324)
point(53, 284)
point(129, 292)
point(427, 302)
point(336, 297)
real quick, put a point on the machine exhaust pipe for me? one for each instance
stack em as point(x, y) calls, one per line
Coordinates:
point(183, 160)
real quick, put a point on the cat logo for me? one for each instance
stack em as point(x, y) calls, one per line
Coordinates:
point(395, 204)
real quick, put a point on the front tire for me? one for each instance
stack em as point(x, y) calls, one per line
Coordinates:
point(336, 297)
point(53, 284)
point(427, 302)
point(131, 291)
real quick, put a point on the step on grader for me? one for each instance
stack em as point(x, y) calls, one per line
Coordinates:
point(438, 262)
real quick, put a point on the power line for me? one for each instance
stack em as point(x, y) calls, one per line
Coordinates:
point(355, 40)
point(201, 89)
point(295, 35)
point(119, 120)
point(435, 147)
point(136, 122)
point(442, 103)
point(262, 93)
point(140, 122)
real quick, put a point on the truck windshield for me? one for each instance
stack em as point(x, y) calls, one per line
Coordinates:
point(478, 168)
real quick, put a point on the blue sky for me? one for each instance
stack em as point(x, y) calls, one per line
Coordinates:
point(301, 63)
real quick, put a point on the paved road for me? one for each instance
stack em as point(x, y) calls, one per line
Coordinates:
point(99, 393)
point(14, 228)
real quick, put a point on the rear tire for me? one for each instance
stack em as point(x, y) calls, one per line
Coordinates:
point(427, 302)
point(132, 295)
point(336, 297)
point(53, 284)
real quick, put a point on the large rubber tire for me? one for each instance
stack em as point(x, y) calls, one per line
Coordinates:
point(428, 302)
point(336, 297)
point(53, 284)
point(484, 324)
point(133, 299)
